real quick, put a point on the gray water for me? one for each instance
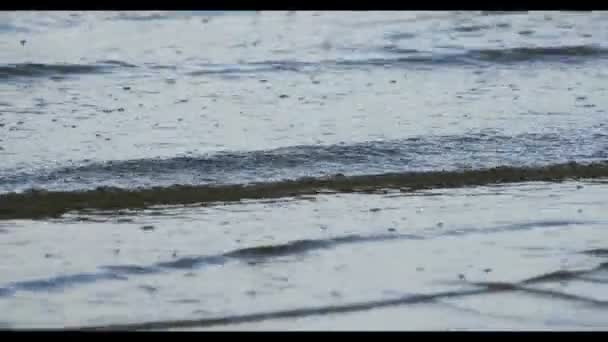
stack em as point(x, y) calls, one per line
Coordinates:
point(157, 99)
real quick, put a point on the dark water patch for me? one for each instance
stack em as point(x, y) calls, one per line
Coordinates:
point(148, 288)
point(36, 70)
point(598, 252)
point(130, 269)
point(78, 219)
point(192, 262)
point(284, 65)
point(399, 50)
point(33, 70)
point(6, 292)
point(162, 67)
point(470, 28)
point(61, 282)
point(525, 54)
point(279, 250)
point(186, 301)
point(118, 63)
point(66, 281)
point(252, 68)
point(44, 204)
point(401, 36)
point(541, 224)
point(303, 246)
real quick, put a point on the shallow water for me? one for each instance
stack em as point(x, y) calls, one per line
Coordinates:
point(218, 101)
point(325, 256)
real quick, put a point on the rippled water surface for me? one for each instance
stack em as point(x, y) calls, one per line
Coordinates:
point(303, 170)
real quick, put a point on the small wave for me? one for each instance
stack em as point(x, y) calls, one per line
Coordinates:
point(400, 36)
point(302, 246)
point(62, 281)
point(396, 57)
point(252, 68)
point(524, 54)
point(471, 28)
point(113, 62)
point(129, 269)
point(528, 225)
point(33, 70)
point(403, 57)
point(597, 252)
point(192, 262)
point(425, 153)
point(392, 48)
point(120, 272)
point(503, 56)
point(40, 204)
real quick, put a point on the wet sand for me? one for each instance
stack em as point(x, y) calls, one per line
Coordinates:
point(532, 258)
